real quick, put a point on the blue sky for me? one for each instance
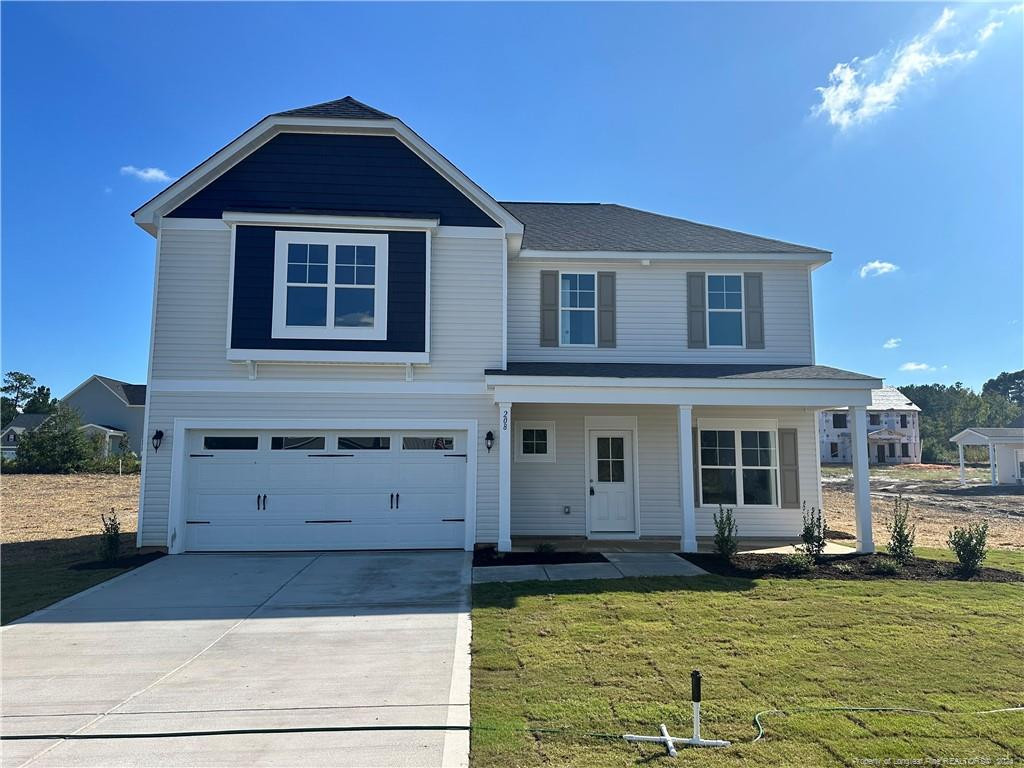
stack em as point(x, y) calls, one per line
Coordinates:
point(911, 156)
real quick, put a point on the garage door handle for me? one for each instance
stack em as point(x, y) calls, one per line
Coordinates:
point(264, 502)
point(257, 501)
point(398, 498)
point(392, 501)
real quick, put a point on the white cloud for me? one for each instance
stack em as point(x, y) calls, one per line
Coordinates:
point(147, 174)
point(876, 268)
point(917, 367)
point(892, 343)
point(863, 88)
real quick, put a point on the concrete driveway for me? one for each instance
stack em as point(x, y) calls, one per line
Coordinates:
point(248, 642)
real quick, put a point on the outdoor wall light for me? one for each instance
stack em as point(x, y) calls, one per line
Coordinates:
point(489, 440)
point(158, 437)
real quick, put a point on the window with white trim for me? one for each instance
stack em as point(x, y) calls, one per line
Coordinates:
point(535, 442)
point(578, 309)
point(738, 467)
point(330, 285)
point(725, 311)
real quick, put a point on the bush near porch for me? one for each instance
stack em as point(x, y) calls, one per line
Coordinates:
point(615, 657)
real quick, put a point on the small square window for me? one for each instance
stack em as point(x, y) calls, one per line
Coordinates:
point(838, 421)
point(535, 441)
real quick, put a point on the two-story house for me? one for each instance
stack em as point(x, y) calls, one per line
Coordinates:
point(355, 346)
point(894, 431)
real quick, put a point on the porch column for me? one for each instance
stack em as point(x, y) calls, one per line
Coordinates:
point(992, 464)
point(688, 536)
point(963, 476)
point(861, 487)
point(504, 477)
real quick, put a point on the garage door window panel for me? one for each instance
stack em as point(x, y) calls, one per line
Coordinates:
point(439, 443)
point(364, 443)
point(297, 443)
point(231, 442)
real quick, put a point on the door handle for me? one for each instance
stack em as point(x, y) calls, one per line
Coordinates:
point(398, 499)
point(264, 502)
point(392, 501)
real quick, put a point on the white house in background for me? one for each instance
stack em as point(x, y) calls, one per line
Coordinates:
point(356, 347)
point(1005, 450)
point(894, 431)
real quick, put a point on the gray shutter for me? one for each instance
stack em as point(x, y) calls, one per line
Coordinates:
point(696, 469)
point(789, 469)
point(549, 308)
point(753, 310)
point(696, 338)
point(606, 309)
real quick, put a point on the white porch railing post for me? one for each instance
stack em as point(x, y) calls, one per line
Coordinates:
point(504, 477)
point(688, 534)
point(963, 474)
point(992, 464)
point(861, 485)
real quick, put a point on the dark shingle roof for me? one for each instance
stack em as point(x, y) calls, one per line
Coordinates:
point(27, 421)
point(678, 371)
point(347, 108)
point(133, 394)
point(610, 227)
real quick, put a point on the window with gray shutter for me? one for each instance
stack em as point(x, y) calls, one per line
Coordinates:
point(789, 469)
point(549, 308)
point(606, 309)
point(753, 310)
point(696, 303)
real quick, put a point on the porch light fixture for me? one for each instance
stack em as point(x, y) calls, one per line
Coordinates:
point(158, 437)
point(489, 440)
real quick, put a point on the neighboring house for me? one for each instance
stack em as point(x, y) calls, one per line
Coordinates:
point(110, 408)
point(19, 426)
point(894, 431)
point(1005, 450)
point(356, 347)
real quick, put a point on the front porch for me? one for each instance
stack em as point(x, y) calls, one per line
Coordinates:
point(643, 463)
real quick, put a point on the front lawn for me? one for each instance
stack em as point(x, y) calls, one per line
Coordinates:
point(615, 657)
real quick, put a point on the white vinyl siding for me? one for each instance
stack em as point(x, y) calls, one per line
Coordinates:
point(650, 315)
point(192, 313)
point(540, 491)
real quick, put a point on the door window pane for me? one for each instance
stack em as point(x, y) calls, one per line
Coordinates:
point(286, 443)
point(611, 464)
point(231, 442)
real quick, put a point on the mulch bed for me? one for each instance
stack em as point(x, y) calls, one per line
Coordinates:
point(489, 556)
point(130, 561)
point(846, 567)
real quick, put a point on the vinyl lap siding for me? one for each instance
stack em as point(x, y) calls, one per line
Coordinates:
point(651, 315)
point(539, 491)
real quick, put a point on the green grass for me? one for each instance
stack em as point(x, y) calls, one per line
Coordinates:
point(1007, 559)
point(615, 657)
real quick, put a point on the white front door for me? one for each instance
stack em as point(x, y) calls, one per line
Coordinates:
point(610, 482)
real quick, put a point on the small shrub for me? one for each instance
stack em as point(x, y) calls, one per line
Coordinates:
point(901, 534)
point(123, 463)
point(886, 566)
point(844, 567)
point(797, 564)
point(726, 533)
point(110, 539)
point(813, 531)
point(970, 545)
point(544, 548)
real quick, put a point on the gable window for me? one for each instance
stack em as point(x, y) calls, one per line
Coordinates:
point(874, 419)
point(833, 450)
point(330, 285)
point(838, 421)
point(725, 311)
point(748, 476)
point(578, 309)
point(535, 441)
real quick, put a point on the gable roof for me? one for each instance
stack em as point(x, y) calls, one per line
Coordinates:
point(890, 399)
point(130, 394)
point(346, 108)
point(1002, 434)
point(26, 422)
point(611, 227)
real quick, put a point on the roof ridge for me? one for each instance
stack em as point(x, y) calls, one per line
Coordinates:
point(348, 101)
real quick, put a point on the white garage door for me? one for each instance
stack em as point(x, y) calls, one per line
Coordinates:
point(301, 490)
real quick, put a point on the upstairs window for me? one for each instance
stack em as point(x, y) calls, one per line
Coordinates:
point(838, 421)
point(578, 315)
point(330, 285)
point(874, 419)
point(903, 421)
point(725, 311)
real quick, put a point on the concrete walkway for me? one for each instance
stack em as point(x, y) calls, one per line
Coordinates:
point(619, 565)
point(254, 642)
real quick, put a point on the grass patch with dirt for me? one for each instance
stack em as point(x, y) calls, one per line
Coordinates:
point(50, 536)
point(615, 657)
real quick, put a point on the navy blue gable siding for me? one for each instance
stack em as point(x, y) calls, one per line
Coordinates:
point(253, 304)
point(334, 174)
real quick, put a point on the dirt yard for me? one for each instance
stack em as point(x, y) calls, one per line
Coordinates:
point(937, 503)
point(50, 536)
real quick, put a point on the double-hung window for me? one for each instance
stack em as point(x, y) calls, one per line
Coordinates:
point(330, 285)
point(725, 311)
point(738, 466)
point(578, 315)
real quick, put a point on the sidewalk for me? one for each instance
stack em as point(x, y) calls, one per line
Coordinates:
point(620, 565)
